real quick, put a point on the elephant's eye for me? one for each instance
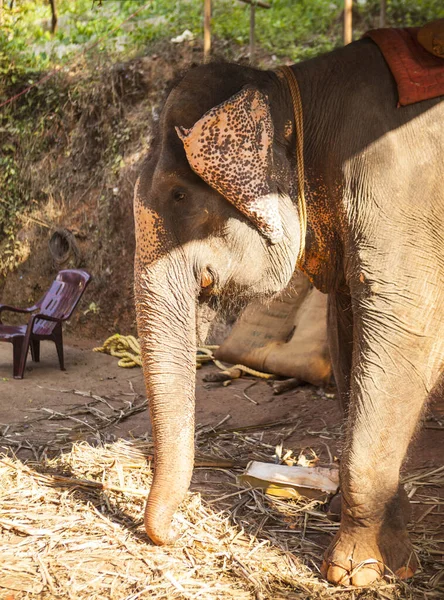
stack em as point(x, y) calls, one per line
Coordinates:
point(179, 195)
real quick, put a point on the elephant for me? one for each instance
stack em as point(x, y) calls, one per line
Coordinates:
point(233, 198)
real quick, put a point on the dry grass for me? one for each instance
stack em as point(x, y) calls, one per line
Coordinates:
point(72, 524)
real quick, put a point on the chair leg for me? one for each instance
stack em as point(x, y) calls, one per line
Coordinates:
point(20, 352)
point(35, 350)
point(58, 340)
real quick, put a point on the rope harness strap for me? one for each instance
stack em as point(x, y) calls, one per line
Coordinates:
point(293, 86)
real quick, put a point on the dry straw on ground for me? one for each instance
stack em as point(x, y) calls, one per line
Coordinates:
point(72, 527)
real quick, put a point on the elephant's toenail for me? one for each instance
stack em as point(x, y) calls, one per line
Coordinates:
point(206, 279)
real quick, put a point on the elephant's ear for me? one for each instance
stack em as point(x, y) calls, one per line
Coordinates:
point(230, 148)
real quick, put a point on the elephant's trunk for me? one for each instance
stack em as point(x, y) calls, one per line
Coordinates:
point(166, 295)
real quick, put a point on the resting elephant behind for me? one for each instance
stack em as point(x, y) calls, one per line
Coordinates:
point(286, 336)
point(219, 216)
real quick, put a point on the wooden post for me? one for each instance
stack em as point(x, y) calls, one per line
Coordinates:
point(207, 30)
point(383, 14)
point(348, 30)
point(253, 4)
point(53, 16)
point(252, 25)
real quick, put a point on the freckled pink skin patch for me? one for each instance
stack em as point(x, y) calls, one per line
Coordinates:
point(230, 148)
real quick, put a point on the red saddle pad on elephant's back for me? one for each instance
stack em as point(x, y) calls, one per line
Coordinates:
point(418, 73)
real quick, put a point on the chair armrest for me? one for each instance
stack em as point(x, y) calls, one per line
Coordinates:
point(33, 318)
point(16, 309)
point(45, 318)
point(7, 307)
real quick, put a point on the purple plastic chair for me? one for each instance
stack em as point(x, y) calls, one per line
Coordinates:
point(45, 321)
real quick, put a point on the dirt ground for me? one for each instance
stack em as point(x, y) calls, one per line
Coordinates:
point(50, 409)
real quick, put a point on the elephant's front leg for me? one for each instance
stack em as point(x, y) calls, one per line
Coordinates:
point(391, 371)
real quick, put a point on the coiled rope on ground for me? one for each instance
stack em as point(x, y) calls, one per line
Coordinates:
point(124, 347)
point(127, 349)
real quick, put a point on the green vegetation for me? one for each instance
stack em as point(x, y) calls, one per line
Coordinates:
point(295, 28)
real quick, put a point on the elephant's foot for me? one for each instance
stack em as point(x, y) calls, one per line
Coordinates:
point(359, 556)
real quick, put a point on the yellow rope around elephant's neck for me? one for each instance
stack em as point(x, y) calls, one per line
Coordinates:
point(299, 126)
point(127, 349)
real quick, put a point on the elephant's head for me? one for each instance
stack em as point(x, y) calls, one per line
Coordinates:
point(214, 221)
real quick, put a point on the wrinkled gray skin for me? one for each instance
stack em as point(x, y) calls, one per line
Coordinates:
point(375, 243)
